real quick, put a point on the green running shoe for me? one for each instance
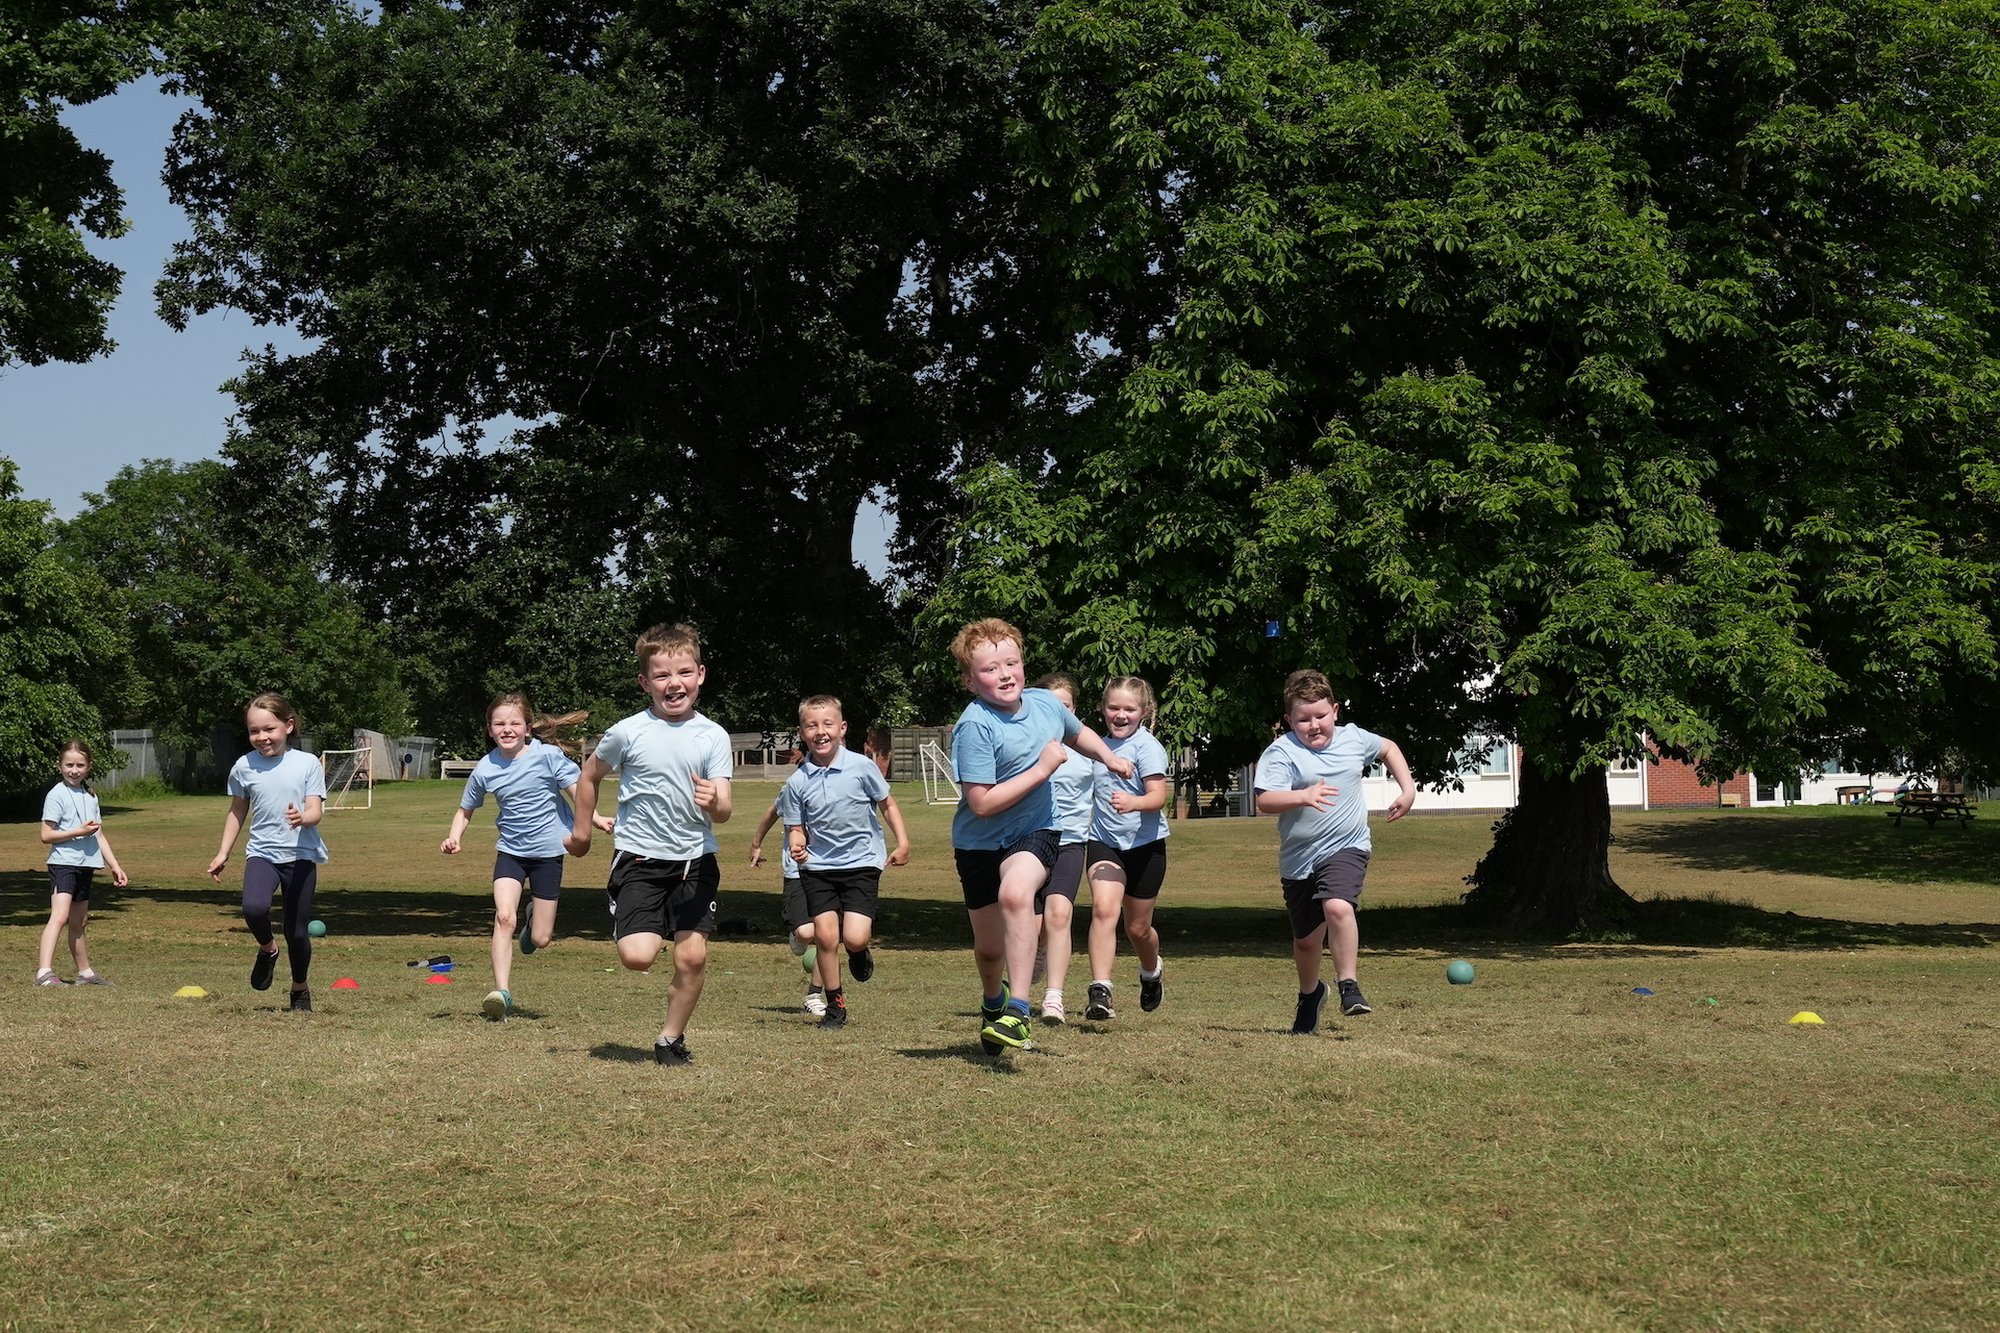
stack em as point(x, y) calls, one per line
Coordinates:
point(1010, 1030)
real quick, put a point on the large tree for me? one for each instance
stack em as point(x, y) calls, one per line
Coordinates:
point(54, 294)
point(1578, 372)
point(616, 313)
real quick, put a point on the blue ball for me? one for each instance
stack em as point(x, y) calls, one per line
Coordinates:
point(1459, 973)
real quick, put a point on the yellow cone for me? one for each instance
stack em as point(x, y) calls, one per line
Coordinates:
point(1806, 1016)
point(191, 993)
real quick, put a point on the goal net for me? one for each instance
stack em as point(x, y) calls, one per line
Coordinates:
point(350, 779)
point(940, 783)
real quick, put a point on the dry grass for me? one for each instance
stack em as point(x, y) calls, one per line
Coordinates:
point(1539, 1150)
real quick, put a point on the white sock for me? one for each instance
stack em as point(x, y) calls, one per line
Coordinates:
point(1153, 975)
point(1051, 997)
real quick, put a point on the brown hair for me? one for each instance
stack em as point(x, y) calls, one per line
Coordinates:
point(667, 639)
point(549, 730)
point(989, 630)
point(1056, 680)
point(821, 701)
point(1137, 686)
point(278, 706)
point(82, 747)
point(1307, 687)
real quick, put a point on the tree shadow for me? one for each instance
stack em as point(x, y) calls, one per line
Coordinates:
point(1834, 842)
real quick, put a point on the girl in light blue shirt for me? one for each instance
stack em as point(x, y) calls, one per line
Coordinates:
point(1127, 853)
point(73, 831)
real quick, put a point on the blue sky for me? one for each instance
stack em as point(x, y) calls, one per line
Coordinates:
point(159, 394)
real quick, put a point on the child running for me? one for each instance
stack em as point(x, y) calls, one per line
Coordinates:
point(528, 776)
point(73, 831)
point(1070, 789)
point(1127, 855)
point(282, 791)
point(1006, 745)
point(792, 910)
point(1310, 778)
point(674, 768)
point(829, 807)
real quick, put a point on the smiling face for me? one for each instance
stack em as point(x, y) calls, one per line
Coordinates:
point(74, 766)
point(1123, 712)
point(269, 733)
point(1313, 722)
point(673, 682)
point(824, 731)
point(508, 727)
point(994, 674)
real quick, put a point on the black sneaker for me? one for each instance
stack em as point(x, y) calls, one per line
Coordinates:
point(836, 1012)
point(1151, 992)
point(1306, 1021)
point(526, 934)
point(301, 1001)
point(861, 966)
point(1351, 1000)
point(261, 970)
point(673, 1052)
point(1098, 1007)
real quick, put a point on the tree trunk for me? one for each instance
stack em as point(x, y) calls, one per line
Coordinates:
point(1549, 869)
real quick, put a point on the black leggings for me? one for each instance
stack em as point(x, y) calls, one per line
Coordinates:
point(261, 879)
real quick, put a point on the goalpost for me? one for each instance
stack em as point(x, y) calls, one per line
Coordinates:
point(940, 784)
point(350, 779)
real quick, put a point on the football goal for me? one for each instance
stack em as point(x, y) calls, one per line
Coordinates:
point(940, 785)
point(350, 779)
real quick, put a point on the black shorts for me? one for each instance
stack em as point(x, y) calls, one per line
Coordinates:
point(73, 880)
point(541, 874)
point(1339, 876)
point(979, 870)
point(848, 892)
point(1066, 876)
point(793, 906)
point(1145, 866)
point(663, 898)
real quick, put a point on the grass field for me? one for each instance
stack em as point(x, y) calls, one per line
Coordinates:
point(1540, 1150)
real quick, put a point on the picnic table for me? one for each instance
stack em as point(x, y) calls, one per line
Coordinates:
point(1930, 806)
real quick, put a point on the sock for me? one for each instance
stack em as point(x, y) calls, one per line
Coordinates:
point(1105, 984)
point(993, 1004)
point(1019, 1006)
point(815, 989)
point(1153, 975)
point(833, 995)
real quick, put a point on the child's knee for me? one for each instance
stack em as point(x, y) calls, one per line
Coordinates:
point(1138, 931)
point(1339, 911)
point(638, 953)
point(691, 954)
point(506, 919)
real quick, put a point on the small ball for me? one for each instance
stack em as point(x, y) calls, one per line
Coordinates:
point(1459, 973)
point(315, 928)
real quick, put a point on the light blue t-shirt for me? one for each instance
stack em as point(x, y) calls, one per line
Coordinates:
point(988, 747)
point(270, 785)
point(837, 806)
point(70, 807)
point(1070, 790)
point(657, 762)
point(1149, 760)
point(528, 788)
point(1307, 836)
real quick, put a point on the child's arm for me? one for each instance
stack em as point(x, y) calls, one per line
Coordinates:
point(1399, 769)
point(1089, 744)
point(795, 842)
point(595, 770)
point(306, 818)
point(232, 824)
point(1318, 796)
point(111, 861)
point(763, 831)
point(459, 820)
point(52, 835)
point(1125, 803)
point(894, 819)
point(602, 823)
point(712, 795)
point(990, 798)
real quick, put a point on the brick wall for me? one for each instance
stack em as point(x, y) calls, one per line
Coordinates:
point(1671, 782)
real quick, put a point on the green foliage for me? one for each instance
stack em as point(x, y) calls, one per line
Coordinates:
point(58, 640)
point(215, 614)
point(54, 294)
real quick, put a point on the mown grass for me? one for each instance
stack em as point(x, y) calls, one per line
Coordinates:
point(1542, 1149)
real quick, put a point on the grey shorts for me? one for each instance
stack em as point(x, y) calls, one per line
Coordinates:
point(1339, 876)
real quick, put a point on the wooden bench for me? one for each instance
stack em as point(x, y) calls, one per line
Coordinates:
point(1930, 806)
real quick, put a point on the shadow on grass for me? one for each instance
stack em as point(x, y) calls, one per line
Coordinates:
point(968, 1052)
point(1835, 842)
point(619, 1053)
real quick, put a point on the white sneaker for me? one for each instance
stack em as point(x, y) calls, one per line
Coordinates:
point(798, 945)
point(1052, 1009)
point(816, 1003)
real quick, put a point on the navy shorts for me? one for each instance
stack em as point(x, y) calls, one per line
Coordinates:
point(541, 874)
point(793, 906)
point(663, 898)
point(1145, 866)
point(1339, 876)
point(73, 880)
point(848, 892)
point(1066, 876)
point(979, 870)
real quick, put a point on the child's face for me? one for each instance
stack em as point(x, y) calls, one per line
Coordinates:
point(1313, 723)
point(824, 731)
point(1123, 712)
point(995, 674)
point(673, 682)
point(73, 767)
point(508, 729)
point(269, 734)
point(1063, 697)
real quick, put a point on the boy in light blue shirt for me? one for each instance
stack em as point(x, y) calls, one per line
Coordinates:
point(829, 807)
point(1310, 778)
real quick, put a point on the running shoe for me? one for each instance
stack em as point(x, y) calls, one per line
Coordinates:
point(1009, 1030)
point(92, 979)
point(261, 970)
point(1306, 1021)
point(527, 933)
point(673, 1052)
point(497, 1005)
point(1097, 1008)
point(49, 979)
point(1151, 991)
point(836, 1012)
point(1052, 1009)
point(816, 1002)
point(1351, 1000)
point(301, 1002)
point(861, 965)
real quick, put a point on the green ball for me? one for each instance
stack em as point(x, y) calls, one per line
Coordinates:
point(1459, 973)
point(315, 928)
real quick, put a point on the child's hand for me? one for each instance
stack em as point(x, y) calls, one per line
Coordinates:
point(605, 823)
point(215, 867)
point(576, 844)
point(1400, 806)
point(1123, 801)
point(1319, 796)
point(798, 852)
point(449, 846)
point(89, 827)
point(294, 816)
point(705, 795)
point(118, 877)
point(1120, 765)
point(756, 855)
point(901, 856)
point(1054, 755)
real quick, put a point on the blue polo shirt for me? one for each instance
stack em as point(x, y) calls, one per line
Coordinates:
point(988, 747)
point(270, 785)
point(1149, 760)
point(69, 807)
point(1306, 836)
point(657, 762)
point(528, 789)
point(1071, 791)
point(837, 806)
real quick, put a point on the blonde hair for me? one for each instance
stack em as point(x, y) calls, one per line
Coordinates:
point(989, 630)
point(667, 639)
point(548, 730)
point(1135, 685)
point(1306, 687)
point(821, 701)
